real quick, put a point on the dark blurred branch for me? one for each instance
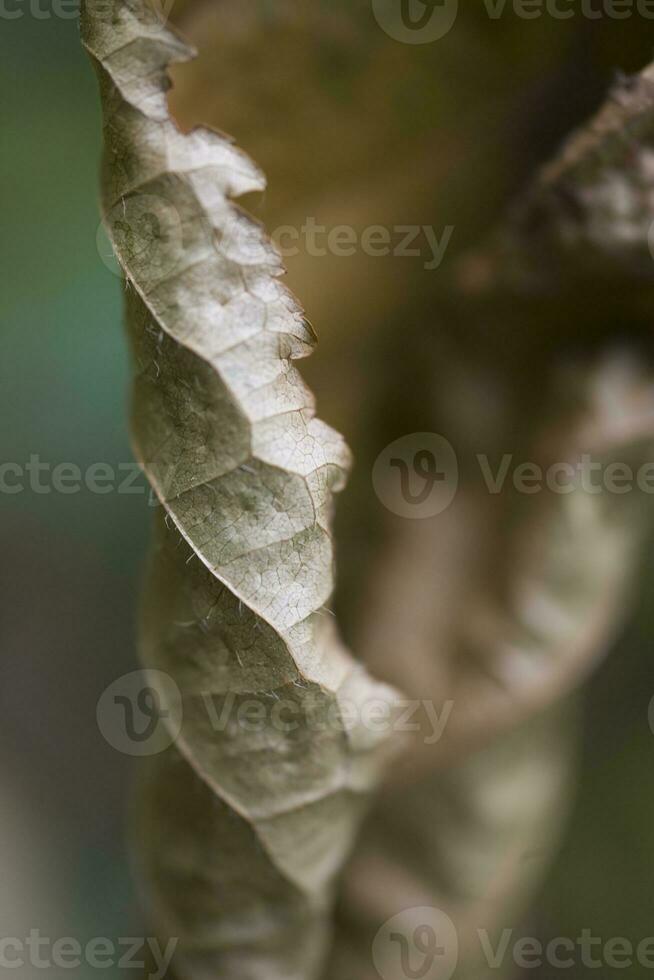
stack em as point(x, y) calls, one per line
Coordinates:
point(589, 212)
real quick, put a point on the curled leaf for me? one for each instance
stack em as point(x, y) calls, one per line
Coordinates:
point(244, 824)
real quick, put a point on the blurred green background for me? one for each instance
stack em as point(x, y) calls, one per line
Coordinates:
point(72, 563)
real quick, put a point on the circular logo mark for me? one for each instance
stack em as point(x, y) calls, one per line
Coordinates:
point(417, 944)
point(650, 239)
point(416, 476)
point(244, 240)
point(143, 232)
point(416, 21)
point(141, 713)
point(106, 250)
